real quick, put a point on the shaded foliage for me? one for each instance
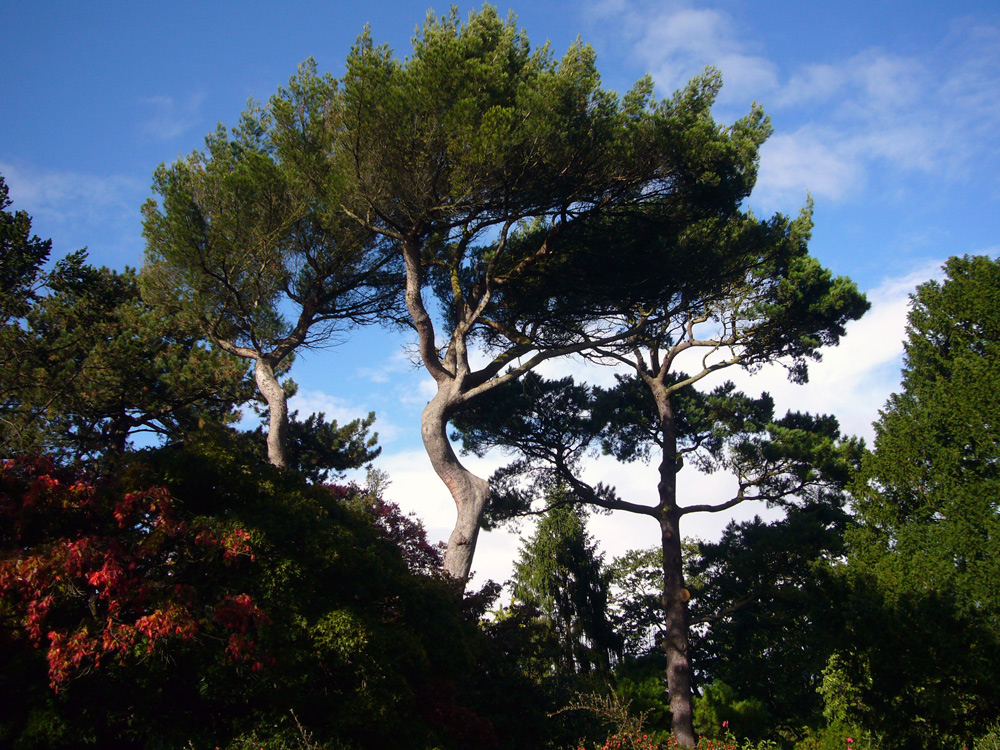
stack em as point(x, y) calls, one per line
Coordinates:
point(98, 366)
point(345, 635)
point(923, 560)
point(318, 449)
point(764, 610)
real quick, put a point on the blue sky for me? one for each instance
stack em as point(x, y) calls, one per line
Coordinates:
point(888, 113)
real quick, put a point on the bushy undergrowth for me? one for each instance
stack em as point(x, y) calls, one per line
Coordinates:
point(347, 643)
point(628, 724)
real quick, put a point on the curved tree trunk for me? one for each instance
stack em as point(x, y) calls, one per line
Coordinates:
point(470, 492)
point(277, 404)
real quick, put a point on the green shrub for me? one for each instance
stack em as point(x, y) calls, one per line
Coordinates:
point(990, 740)
point(718, 712)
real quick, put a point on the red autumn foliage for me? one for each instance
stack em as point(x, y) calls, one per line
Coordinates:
point(91, 573)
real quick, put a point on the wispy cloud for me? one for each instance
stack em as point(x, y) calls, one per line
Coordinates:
point(308, 402)
point(417, 391)
point(71, 207)
point(167, 117)
point(869, 111)
point(402, 362)
point(936, 113)
point(808, 160)
point(407, 380)
point(675, 41)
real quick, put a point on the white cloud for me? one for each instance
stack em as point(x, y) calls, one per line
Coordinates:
point(374, 374)
point(619, 532)
point(579, 369)
point(415, 487)
point(169, 117)
point(890, 84)
point(971, 85)
point(308, 402)
point(806, 161)
point(675, 42)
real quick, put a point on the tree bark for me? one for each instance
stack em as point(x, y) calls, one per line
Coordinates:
point(675, 641)
point(277, 404)
point(470, 492)
point(675, 595)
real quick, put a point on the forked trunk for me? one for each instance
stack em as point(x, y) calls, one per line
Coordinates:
point(277, 404)
point(471, 493)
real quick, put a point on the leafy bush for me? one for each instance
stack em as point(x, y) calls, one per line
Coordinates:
point(990, 740)
point(260, 595)
point(718, 713)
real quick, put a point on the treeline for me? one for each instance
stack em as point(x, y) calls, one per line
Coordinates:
point(225, 588)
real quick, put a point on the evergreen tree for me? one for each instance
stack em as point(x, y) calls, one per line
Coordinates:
point(929, 495)
point(527, 202)
point(560, 575)
point(924, 620)
point(253, 240)
point(97, 366)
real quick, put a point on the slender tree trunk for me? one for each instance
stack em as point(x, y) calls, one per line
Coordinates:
point(675, 595)
point(277, 404)
point(675, 641)
point(471, 493)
